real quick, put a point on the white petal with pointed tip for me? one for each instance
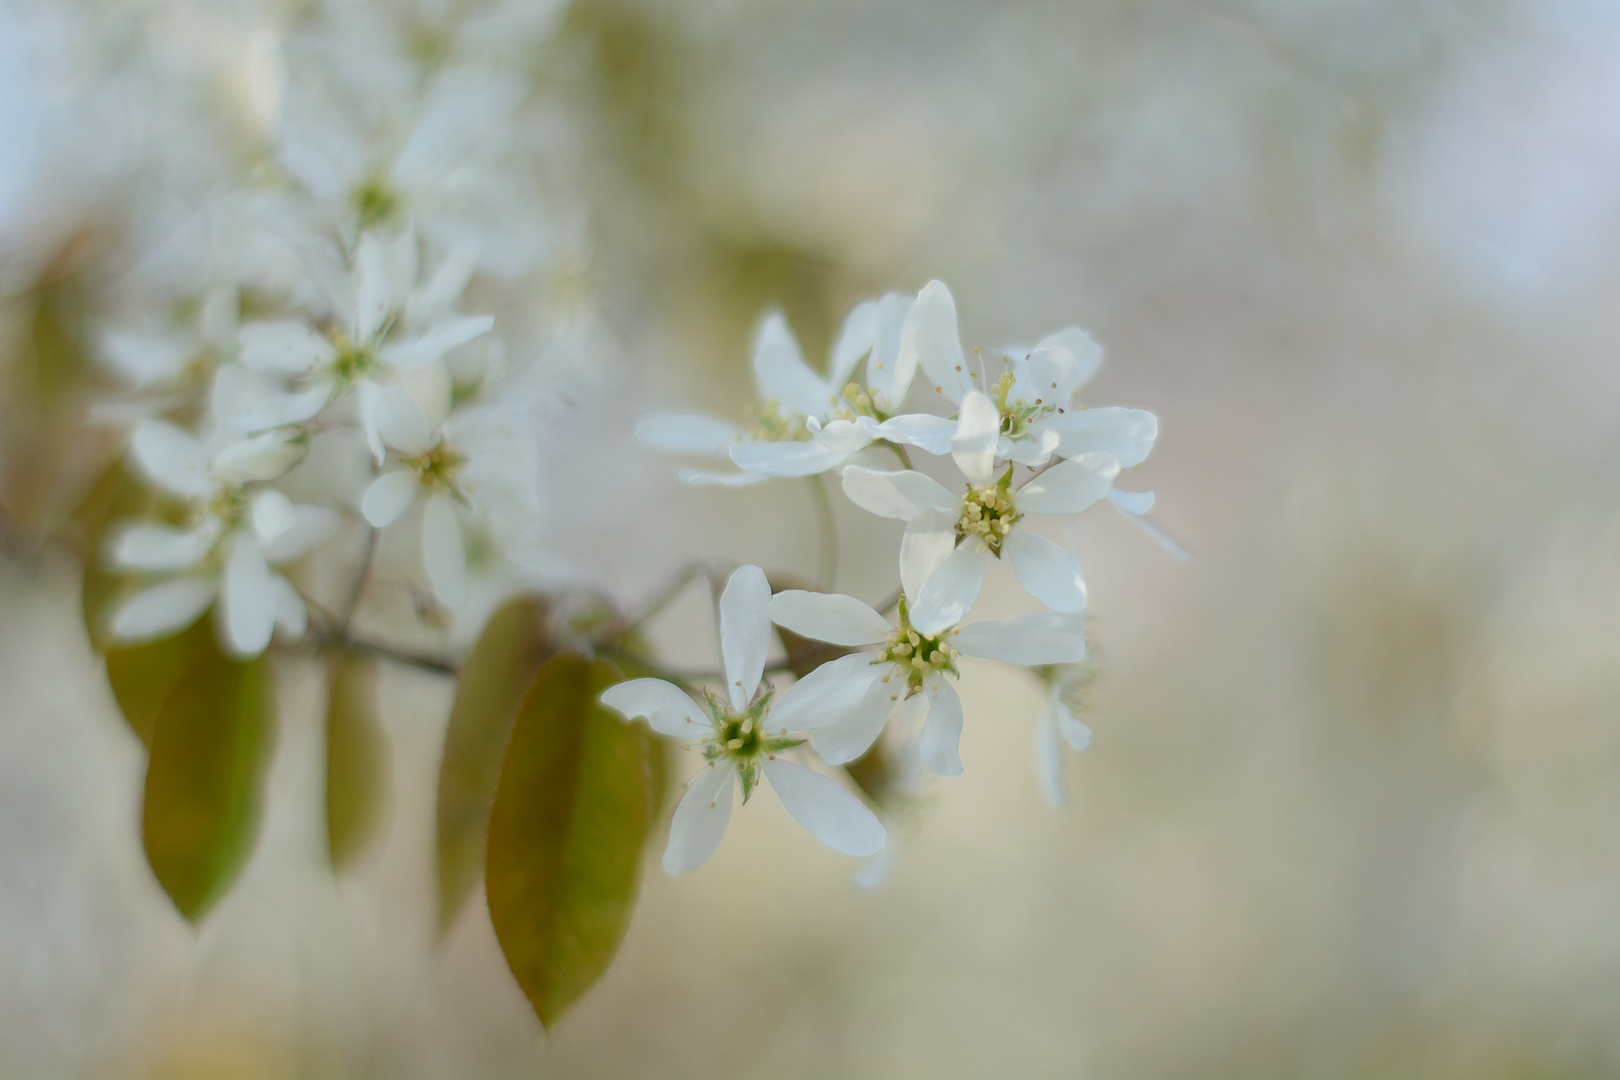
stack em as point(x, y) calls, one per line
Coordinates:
point(1028, 639)
point(263, 457)
point(745, 632)
point(940, 744)
point(286, 345)
point(1046, 571)
point(782, 376)
point(785, 458)
point(973, 447)
point(687, 433)
point(889, 371)
point(443, 554)
point(421, 351)
point(929, 339)
point(249, 598)
point(667, 708)
point(831, 617)
point(172, 458)
point(854, 732)
point(161, 547)
point(855, 339)
point(1126, 435)
point(827, 811)
point(824, 696)
point(901, 495)
point(162, 609)
point(700, 820)
point(951, 591)
point(1069, 486)
point(389, 496)
point(931, 434)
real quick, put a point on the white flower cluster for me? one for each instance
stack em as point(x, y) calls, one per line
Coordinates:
point(1015, 409)
point(321, 324)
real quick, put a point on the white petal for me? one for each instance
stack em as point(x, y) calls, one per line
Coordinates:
point(448, 282)
point(1034, 449)
point(827, 811)
point(700, 820)
point(875, 870)
point(143, 357)
point(1045, 377)
point(1075, 733)
point(1132, 502)
point(745, 632)
point(433, 345)
point(826, 695)
point(940, 744)
point(482, 431)
point(1049, 757)
point(854, 732)
point(854, 341)
point(929, 338)
point(389, 496)
point(973, 447)
point(782, 376)
point(172, 458)
point(929, 539)
point(844, 436)
point(443, 554)
point(401, 422)
point(1046, 571)
point(311, 525)
point(889, 371)
point(263, 457)
point(248, 402)
point(291, 617)
point(698, 478)
point(272, 514)
point(784, 458)
point(369, 394)
point(286, 345)
point(1029, 638)
point(373, 292)
point(931, 434)
point(901, 495)
point(160, 547)
point(950, 591)
point(162, 609)
point(1088, 355)
point(687, 433)
point(1126, 435)
point(1162, 538)
point(667, 707)
point(831, 617)
point(1069, 486)
point(250, 599)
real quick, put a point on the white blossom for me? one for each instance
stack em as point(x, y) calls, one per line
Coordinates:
point(806, 423)
point(744, 736)
point(237, 530)
point(1057, 725)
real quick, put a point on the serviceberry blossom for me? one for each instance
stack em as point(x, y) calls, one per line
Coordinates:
point(1057, 724)
point(474, 463)
point(806, 424)
point(1034, 389)
point(237, 529)
point(984, 522)
point(908, 669)
point(744, 735)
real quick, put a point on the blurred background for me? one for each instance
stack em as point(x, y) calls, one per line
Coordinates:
point(1353, 805)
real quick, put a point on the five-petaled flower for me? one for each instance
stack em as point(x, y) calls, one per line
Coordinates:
point(744, 736)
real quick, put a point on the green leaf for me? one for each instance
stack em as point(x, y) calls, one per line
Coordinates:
point(514, 644)
point(356, 757)
point(211, 745)
point(141, 676)
point(566, 834)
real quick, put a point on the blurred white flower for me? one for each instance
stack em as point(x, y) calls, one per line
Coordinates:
point(234, 535)
point(743, 737)
point(147, 354)
point(806, 424)
point(983, 522)
point(1056, 725)
point(473, 463)
point(915, 655)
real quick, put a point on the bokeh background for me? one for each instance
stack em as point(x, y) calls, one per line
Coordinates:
point(1353, 805)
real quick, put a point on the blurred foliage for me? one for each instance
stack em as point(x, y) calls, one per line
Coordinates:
point(357, 759)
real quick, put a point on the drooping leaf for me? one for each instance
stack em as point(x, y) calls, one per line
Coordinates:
point(211, 745)
point(356, 757)
point(142, 676)
point(566, 834)
point(514, 644)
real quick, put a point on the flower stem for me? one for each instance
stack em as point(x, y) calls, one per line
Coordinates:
point(683, 577)
point(827, 568)
point(421, 661)
point(899, 452)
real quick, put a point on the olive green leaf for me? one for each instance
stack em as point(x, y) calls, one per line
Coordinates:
point(356, 756)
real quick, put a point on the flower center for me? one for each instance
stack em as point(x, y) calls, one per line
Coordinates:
point(739, 738)
point(766, 423)
point(862, 403)
point(437, 468)
point(353, 361)
point(918, 655)
point(374, 202)
point(229, 507)
point(988, 514)
point(1016, 416)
